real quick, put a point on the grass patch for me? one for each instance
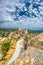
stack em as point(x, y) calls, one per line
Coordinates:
point(5, 47)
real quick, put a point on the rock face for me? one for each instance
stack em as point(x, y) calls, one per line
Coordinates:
point(36, 41)
point(31, 56)
point(18, 51)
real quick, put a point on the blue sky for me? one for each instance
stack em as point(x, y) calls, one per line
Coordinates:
point(26, 14)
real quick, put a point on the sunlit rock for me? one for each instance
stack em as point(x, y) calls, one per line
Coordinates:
point(32, 56)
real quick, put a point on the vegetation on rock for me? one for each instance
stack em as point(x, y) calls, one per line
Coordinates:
point(5, 47)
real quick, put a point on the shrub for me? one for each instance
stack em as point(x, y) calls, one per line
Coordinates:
point(16, 38)
point(5, 47)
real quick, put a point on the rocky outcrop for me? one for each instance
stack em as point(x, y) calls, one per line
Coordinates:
point(32, 53)
point(36, 41)
point(31, 56)
point(18, 51)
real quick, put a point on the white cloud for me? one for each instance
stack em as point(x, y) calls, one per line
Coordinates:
point(24, 21)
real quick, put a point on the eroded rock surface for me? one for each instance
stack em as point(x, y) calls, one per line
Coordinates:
point(31, 56)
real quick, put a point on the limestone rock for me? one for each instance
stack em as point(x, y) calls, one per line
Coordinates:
point(31, 56)
point(36, 41)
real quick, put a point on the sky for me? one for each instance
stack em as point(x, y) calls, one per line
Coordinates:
point(25, 14)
